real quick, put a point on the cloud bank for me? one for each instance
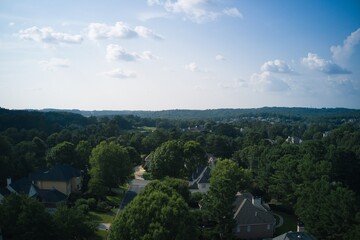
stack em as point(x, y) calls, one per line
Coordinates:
point(115, 53)
point(120, 30)
point(49, 36)
point(197, 11)
point(314, 62)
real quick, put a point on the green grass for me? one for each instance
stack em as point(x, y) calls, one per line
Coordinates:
point(100, 235)
point(290, 222)
point(114, 200)
point(100, 217)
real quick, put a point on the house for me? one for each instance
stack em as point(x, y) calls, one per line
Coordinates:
point(295, 236)
point(294, 140)
point(63, 178)
point(50, 187)
point(253, 219)
point(3, 193)
point(200, 179)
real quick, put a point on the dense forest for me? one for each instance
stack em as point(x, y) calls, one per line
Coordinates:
point(307, 160)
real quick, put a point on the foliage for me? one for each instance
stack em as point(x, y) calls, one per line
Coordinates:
point(155, 214)
point(72, 223)
point(110, 167)
point(167, 160)
point(227, 178)
point(325, 208)
point(25, 218)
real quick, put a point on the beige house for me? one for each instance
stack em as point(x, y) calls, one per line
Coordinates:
point(50, 187)
point(63, 178)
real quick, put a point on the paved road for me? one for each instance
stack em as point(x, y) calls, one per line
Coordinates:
point(135, 187)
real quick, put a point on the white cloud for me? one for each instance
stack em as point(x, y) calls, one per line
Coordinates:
point(277, 66)
point(195, 10)
point(220, 57)
point(314, 62)
point(11, 24)
point(119, 30)
point(119, 73)
point(193, 67)
point(147, 33)
point(232, 12)
point(55, 63)
point(342, 53)
point(48, 35)
point(115, 52)
point(265, 81)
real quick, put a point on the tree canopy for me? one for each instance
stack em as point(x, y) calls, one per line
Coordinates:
point(158, 213)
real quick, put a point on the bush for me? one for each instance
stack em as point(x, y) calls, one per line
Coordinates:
point(103, 207)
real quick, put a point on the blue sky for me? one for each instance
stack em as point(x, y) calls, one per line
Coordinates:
point(179, 54)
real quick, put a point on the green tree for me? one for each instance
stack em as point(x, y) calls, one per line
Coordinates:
point(83, 151)
point(110, 166)
point(168, 160)
point(227, 178)
point(181, 186)
point(194, 156)
point(158, 213)
point(62, 153)
point(25, 218)
point(73, 224)
point(326, 208)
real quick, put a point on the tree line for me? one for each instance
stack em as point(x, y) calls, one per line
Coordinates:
point(317, 180)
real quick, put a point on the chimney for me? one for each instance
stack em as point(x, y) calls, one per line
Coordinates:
point(300, 227)
point(8, 181)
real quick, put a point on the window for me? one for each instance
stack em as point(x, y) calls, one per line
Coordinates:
point(249, 228)
point(268, 227)
point(238, 228)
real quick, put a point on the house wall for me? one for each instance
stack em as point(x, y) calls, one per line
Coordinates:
point(64, 187)
point(258, 231)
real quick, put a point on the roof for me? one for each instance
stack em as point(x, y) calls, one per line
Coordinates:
point(295, 236)
point(201, 175)
point(4, 191)
point(51, 195)
point(57, 173)
point(21, 186)
point(246, 213)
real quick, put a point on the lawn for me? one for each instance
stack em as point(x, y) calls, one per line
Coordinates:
point(102, 217)
point(290, 222)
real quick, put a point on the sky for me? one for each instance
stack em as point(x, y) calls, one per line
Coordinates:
point(179, 54)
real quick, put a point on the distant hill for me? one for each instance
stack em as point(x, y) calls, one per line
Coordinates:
point(221, 114)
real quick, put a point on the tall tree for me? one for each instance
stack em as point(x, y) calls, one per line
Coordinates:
point(158, 213)
point(110, 166)
point(227, 178)
point(194, 156)
point(73, 224)
point(326, 208)
point(25, 218)
point(168, 160)
point(62, 153)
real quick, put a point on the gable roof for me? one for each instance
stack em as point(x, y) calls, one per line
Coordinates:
point(21, 186)
point(295, 236)
point(4, 191)
point(51, 195)
point(57, 173)
point(246, 213)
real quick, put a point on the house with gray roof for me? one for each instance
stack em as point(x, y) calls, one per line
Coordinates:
point(253, 220)
point(50, 187)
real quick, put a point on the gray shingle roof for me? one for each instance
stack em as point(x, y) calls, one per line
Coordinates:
point(246, 213)
point(295, 236)
point(51, 195)
point(57, 173)
point(21, 186)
